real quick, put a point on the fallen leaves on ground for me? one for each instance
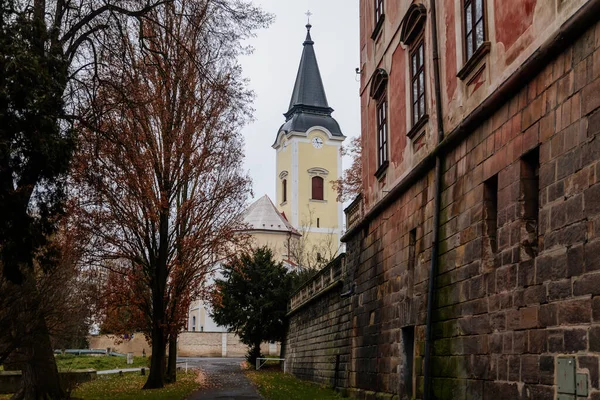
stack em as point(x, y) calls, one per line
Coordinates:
point(201, 378)
point(129, 387)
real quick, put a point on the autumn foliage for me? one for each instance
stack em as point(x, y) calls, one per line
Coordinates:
point(48, 60)
point(350, 185)
point(158, 177)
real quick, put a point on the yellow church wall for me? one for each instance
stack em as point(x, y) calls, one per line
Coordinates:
point(319, 221)
point(284, 163)
point(276, 241)
point(326, 158)
point(327, 244)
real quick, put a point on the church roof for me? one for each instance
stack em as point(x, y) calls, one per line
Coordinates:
point(309, 90)
point(263, 216)
point(308, 105)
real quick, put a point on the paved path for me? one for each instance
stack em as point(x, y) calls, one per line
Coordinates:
point(226, 381)
point(116, 371)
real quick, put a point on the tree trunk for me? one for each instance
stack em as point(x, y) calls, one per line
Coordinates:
point(156, 377)
point(172, 360)
point(253, 353)
point(40, 378)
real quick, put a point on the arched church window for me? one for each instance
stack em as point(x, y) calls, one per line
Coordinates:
point(194, 323)
point(284, 190)
point(317, 188)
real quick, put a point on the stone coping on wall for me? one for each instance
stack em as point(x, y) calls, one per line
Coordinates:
point(355, 211)
point(314, 297)
point(328, 278)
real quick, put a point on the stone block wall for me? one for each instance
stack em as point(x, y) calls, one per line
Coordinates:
point(520, 239)
point(518, 282)
point(317, 346)
point(390, 266)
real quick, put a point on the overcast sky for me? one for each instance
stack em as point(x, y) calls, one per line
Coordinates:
point(272, 71)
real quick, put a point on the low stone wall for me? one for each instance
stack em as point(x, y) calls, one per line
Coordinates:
point(190, 344)
point(317, 346)
point(204, 344)
point(136, 345)
point(10, 380)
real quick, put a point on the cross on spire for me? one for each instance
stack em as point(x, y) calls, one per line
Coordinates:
point(308, 15)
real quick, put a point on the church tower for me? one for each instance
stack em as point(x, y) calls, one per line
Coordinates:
point(308, 159)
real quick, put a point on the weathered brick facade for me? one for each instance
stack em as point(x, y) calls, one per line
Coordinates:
point(517, 285)
point(501, 325)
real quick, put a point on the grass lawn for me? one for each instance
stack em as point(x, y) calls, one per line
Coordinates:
point(129, 387)
point(99, 363)
point(275, 385)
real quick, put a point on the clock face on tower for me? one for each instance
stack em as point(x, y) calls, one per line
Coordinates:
point(317, 143)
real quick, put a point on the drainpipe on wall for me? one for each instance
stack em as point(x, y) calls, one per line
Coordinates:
point(427, 392)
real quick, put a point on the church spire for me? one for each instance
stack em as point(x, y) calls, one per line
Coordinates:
point(308, 106)
point(308, 39)
point(309, 93)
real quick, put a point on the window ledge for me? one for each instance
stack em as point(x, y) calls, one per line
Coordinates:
point(380, 173)
point(317, 201)
point(378, 27)
point(283, 203)
point(470, 65)
point(418, 126)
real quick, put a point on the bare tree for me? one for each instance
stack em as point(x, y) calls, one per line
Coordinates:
point(306, 252)
point(163, 189)
point(350, 184)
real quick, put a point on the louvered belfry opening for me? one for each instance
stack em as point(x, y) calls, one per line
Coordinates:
point(317, 188)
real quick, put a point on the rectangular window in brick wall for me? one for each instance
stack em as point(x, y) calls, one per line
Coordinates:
point(490, 220)
point(378, 11)
point(382, 133)
point(474, 26)
point(530, 194)
point(408, 357)
point(412, 243)
point(417, 78)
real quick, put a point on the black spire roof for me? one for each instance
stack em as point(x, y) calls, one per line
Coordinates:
point(308, 105)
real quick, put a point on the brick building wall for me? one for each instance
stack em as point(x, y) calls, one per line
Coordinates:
point(391, 289)
point(518, 282)
point(506, 312)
